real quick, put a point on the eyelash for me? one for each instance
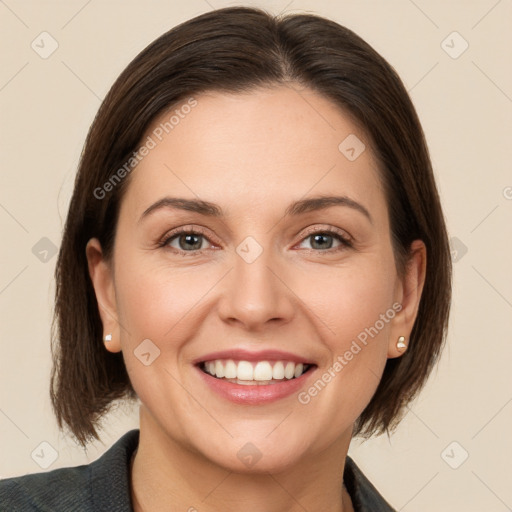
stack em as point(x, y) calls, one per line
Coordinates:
point(346, 242)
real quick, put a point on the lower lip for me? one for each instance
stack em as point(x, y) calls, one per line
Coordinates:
point(255, 394)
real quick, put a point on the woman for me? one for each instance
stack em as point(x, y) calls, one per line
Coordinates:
point(255, 249)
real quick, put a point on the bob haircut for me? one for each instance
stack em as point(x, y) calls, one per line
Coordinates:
point(236, 50)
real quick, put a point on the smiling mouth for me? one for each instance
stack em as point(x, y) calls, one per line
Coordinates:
point(252, 373)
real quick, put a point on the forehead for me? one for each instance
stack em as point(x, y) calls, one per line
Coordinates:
point(259, 148)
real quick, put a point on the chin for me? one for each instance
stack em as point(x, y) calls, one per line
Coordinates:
point(254, 455)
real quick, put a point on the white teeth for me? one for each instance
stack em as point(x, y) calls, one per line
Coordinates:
point(219, 369)
point(289, 370)
point(230, 370)
point(261, 371)
point(278, 370)
point(243, 372)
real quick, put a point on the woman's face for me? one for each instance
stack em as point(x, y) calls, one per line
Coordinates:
point(272, 270)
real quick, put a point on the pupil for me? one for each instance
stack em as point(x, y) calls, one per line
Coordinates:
point(189, 239)
point(318, 238)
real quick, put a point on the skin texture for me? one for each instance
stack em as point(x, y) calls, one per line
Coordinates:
point(252, 154)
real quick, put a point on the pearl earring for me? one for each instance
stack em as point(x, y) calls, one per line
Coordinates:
point(108, 337)
point(400, 345)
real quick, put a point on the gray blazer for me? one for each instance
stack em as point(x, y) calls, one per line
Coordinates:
point(104, 486)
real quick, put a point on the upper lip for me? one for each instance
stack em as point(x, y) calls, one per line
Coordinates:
point(241, 354)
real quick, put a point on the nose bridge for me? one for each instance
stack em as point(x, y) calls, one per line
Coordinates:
point(254, 294)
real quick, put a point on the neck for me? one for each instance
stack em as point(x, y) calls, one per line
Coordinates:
point(166, 473)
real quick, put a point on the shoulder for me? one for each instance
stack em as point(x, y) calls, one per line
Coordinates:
point(100, 485)
point(59, 489)
point(365, 497)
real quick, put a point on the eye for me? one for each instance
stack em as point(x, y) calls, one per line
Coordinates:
point(191, 241)
point(323, 240)
point(186, 240)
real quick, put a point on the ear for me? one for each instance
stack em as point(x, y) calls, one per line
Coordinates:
point(102, 280)
point(408, 295)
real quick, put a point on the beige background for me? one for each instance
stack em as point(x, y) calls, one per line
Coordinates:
point(465, 105)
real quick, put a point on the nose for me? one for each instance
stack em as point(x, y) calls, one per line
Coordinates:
point(256, 294)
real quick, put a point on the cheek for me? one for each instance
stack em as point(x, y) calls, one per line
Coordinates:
point(354, 311)
point(349, 300)
point(153, 301)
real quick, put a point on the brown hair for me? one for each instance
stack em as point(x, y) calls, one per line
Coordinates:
point(234, 50)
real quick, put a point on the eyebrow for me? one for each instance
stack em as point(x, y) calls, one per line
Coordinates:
point(296, 208)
